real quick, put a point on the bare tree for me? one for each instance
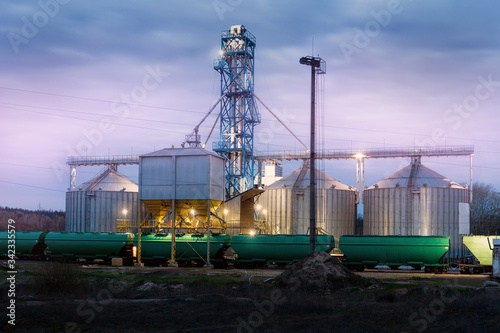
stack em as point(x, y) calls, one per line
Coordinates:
point(485, 210)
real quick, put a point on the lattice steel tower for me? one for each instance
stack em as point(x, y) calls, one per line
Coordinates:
point(238, 112)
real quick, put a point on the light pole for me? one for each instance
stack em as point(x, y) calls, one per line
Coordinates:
point(315, 63)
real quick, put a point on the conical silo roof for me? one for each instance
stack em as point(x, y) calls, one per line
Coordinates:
point(322, 180)
point(109, 180)
point(424, 177)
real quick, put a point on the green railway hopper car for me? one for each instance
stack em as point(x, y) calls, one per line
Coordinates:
point(279, 249)
point(362, 252)
point(482, 248)
point(28, 244)
point(157, 248)
point(90, 245)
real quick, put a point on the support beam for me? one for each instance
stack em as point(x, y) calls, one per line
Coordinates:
point(312, 163)
point(471, 187)
point(360, 178)
point(208, 264)
point(72, 181)
point(173, 263)
point(317, 67)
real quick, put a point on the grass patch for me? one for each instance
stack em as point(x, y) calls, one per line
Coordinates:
point(213, 280)
point(419, 278)
point(56, 278)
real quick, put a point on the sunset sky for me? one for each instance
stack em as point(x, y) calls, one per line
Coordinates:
point(129, 77)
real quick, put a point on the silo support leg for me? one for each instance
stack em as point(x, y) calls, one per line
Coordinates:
point(208, 264)
point(173, 263)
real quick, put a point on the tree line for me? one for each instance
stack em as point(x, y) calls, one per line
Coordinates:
point(485, 210)
point(29, 220)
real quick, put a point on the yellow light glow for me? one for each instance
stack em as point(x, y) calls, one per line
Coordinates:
point(226, 211)
point(359, 155)
point(193, 211)
point(258, 207)
point(124, 212)
point(134, 251)
point(264, 211)
point(252, 233)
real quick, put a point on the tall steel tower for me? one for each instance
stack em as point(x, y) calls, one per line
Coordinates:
point(238, 112)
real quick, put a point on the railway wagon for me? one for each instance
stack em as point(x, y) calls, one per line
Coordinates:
point(69, 246)
point(156, 248)
point(368, 251)
point(482, 248)
point(28, 244)
point(280, 249)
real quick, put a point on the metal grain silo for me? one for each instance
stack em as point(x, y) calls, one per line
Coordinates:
point(415, 201)
point(96, 205)
point(285, 204)
point(192, 177)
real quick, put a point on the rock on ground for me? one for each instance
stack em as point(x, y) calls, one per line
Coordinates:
point(317, 272)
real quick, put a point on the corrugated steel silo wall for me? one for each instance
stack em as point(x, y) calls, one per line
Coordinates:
point(197, 177)
point(335, 211)
point(232, 216)
point(435, 212)
point(97, 211)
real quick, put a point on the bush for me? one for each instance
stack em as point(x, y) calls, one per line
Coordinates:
point(57, 278)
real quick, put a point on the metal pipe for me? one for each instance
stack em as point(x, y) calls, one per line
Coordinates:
point(471, 186)
point(211, 131)
point(197, 127)
point(208, 234)
point(174, 185)
point(358, 170)
point(312, 165)
point(139, 233)
point(362, 178)
point(282, 123)
point(259, 177)
point(172, 254)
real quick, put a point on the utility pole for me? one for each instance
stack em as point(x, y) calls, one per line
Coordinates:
point(315, 63)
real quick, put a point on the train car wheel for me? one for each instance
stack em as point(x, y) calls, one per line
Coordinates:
point(438, 270)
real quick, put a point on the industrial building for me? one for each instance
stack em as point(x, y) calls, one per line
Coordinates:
point(193, 190)
point(285, 204)
point(416, 201)
point(185, 185)
point(97, 205)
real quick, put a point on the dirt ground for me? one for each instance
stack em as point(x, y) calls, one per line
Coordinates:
point(72, 298)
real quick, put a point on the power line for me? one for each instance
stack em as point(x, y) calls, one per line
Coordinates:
point(96, 121)
point(201, 112)
point(179, 132)
point(99, 115)
point(32, 186)
point(98, 100)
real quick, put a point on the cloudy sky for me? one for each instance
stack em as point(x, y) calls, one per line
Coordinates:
point(128, 77)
